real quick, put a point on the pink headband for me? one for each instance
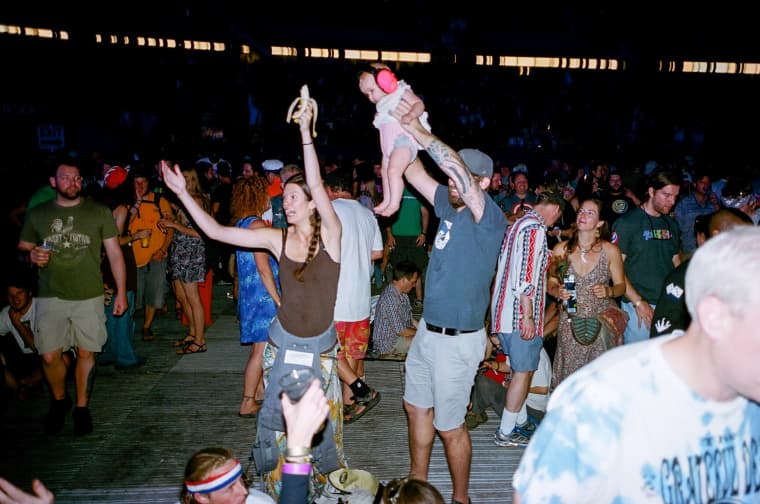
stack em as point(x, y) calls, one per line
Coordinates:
point(215, 483)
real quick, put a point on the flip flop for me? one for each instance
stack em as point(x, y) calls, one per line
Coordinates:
point(353, 412)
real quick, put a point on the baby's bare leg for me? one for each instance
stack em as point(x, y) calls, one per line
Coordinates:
point(386, 187)
point(397, 164)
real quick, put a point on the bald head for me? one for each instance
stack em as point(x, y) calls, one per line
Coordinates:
point(727, 218)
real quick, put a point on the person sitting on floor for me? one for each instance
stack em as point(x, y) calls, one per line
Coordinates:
point(394, 326)
point(20, 363)
point(491, 385)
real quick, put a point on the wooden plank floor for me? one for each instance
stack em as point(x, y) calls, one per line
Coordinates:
point(150, 420)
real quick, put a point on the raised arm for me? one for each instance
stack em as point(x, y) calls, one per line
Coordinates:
point(331, 228)
point(447, 160)
point(266, 238)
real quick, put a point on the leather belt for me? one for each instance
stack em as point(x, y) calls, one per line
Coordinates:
point(448, 331)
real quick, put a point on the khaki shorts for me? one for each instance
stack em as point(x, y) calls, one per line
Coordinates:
point(440, 373)
point(63, 324)
point(402, 345)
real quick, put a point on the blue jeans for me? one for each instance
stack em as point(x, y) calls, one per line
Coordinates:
point(120, 330)
point(633, 333)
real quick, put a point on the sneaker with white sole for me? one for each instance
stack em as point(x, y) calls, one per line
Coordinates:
point(526, 429)
point(515, 439)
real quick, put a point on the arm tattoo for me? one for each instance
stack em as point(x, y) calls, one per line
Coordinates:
point(451, 164)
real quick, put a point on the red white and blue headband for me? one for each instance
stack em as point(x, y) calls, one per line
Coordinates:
point(216, 482)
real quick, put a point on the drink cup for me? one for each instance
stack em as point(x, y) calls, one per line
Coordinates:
point(145, 240)
point(48, 248)
point(296, 382)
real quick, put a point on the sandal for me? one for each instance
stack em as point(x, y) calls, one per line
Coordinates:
point(353, 412)
point(148, 334)
point(191, 348)
point(184, 341)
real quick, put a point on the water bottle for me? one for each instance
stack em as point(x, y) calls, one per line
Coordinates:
point(570, 304)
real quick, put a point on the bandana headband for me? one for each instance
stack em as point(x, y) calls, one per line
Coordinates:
point(215, 483)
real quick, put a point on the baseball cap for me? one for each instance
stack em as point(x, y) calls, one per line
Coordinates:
point(115, 176)
point(272, 165)
point(478, 162)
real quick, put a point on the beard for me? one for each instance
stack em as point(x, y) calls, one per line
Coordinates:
point(70, 194)
point(455, 201)
point(661, 209)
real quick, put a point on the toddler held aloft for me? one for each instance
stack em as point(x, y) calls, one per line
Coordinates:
point(399, 149)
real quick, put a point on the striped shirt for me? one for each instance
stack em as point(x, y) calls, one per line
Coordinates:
point(522, 266)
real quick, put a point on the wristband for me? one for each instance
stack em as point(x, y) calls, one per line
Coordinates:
point(298, 469)
point(307, 459)
point(308, 143)
point(637, 303)
point(298, 451)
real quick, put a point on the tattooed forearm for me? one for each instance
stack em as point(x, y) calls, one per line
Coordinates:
point(451, 164)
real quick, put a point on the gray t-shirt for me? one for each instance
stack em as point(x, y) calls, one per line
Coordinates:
point(462, 264)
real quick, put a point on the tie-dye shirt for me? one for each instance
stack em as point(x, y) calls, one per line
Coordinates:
point(627, 429)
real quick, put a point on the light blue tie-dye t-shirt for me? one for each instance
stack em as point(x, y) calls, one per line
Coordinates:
point(627, 429)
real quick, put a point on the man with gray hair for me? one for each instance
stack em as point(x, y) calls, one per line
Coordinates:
point(668, 419)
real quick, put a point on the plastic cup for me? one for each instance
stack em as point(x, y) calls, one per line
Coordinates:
point(47, 247)
point(145, 241)
point(296, 382)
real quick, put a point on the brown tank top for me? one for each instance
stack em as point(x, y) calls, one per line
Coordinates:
point(307, 307)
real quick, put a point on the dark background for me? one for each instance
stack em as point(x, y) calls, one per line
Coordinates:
point(126, 101)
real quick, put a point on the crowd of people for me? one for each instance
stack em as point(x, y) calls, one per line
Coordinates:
point(584, 258)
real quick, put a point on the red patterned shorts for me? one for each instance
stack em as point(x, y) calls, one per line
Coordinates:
point(353, 338)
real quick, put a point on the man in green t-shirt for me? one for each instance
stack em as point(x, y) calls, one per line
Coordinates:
point(64, 238)
point(405, 237)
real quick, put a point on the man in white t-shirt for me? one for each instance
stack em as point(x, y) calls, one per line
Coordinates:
point(671, 419)
point(361, 244)
point(20, 364)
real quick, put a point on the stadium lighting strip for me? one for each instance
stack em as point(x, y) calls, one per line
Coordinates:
point(718, 67)
point(523, 63)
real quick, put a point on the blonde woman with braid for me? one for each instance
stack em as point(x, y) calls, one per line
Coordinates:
point(303, 333)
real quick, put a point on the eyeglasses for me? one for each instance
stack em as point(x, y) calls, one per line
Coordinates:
point(70, 178)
